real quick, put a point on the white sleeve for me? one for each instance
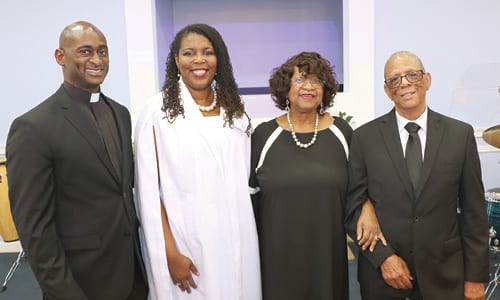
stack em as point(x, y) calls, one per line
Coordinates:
point(147, 196)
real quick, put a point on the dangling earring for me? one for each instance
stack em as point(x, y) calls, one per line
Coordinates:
point(321, 109)
point(178, 75)
point(287, 105)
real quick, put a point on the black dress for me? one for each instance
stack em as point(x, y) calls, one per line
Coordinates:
point(300, 212)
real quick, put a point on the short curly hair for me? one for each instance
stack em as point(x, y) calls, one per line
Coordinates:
point(308, 63)
point(226, 87)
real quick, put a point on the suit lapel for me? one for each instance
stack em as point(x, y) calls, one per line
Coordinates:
point(85, 124)
point(121, 121)
point(392, 140)
point(435, 133)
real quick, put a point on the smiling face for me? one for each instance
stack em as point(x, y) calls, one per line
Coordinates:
point(196, 61)
point(83, 55)
point(306, 92)
point(409, 98)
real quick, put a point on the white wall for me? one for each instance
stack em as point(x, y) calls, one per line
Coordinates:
point(142, 53)
point(30, 34)
point(458, 43)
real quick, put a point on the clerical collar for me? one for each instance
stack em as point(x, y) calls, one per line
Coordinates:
point(80, 95)
point(94, 97)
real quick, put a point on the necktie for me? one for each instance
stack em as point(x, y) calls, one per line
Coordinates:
point(413, 155)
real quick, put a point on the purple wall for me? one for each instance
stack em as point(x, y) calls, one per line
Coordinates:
point(260, 34)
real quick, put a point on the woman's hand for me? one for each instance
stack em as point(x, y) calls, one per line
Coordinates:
point(368, 231)
point(181, 269)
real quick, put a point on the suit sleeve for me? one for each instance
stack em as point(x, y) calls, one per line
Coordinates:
point(473, 218)
point(31, 192)
point(357, 194)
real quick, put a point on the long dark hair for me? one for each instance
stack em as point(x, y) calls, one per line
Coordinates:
point(226, 87)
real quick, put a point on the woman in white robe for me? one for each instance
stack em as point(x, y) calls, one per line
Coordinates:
point(193, 163)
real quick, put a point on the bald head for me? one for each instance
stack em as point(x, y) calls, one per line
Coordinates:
point(400, 55)
point(83, 56)
point(75, 31)
point(409, 83)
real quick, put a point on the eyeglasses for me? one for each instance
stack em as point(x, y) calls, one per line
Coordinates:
point(411, 77)
point(315, 82)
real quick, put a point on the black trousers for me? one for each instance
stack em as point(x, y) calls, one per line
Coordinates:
point(139, 289)
point(392, 294)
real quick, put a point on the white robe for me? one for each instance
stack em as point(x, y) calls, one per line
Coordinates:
point(204, 170)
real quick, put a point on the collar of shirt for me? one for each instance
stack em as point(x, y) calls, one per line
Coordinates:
point(422, 133)
point(80, 95)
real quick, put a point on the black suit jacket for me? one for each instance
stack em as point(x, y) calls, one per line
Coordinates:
point(75, 216)
point(441, 246)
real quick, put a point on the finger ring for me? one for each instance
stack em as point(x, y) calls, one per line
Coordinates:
point(179, 284)
point(376, 238)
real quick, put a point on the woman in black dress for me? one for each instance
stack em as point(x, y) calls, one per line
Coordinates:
point(299, 181)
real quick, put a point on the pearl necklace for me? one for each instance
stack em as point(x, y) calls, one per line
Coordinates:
point(211, 106)
point(294, 136)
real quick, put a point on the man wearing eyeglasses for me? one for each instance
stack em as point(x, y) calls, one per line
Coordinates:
point(424, 180)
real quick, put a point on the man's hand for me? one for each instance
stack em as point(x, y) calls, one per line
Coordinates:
point(396, 273)
point(473, 290)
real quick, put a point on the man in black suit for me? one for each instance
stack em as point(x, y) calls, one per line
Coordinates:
point(70, 169)
point(432, 213)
